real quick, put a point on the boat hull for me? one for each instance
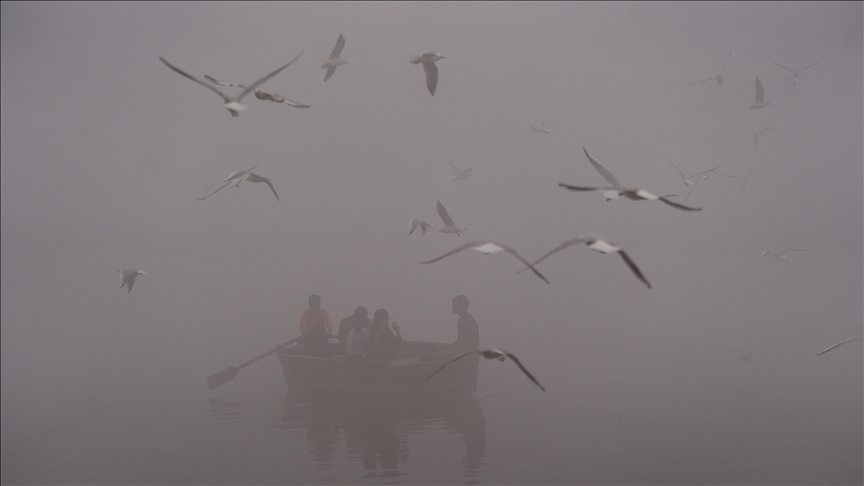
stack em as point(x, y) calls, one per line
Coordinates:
point(405, 374)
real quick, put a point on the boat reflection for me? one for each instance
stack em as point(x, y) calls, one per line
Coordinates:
point(376, 430)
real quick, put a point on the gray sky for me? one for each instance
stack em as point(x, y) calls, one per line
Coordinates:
point(104, 151)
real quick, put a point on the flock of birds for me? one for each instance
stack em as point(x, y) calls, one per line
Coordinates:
point(612, 190)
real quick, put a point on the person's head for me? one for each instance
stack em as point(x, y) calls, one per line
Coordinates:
point(381, 319)
point(314, 302)
point(460, 304)
point(361, 313)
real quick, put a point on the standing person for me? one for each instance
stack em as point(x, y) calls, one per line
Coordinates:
point(387, 342)
point(468, 333)
point(359, 317)
point(316, 327)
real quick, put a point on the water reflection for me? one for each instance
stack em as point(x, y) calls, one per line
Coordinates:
point(374, 433)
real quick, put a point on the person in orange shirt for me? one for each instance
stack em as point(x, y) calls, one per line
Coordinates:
point(316, 327)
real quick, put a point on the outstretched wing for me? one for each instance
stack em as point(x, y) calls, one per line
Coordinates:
point(223, 186)
point(676, 167)
point(431, 71)
point(829, 348)
point(784, 67)
point(677, 205)
point(228, 85)
point(513, 252)
point(330, 71)
point(202, 83)
point(261, 81)
point(337, 51)
point(580, 188)
point(270, 184)
point(698, 82)
point(451, 361)
point(705, 172)
point(760, 91)
point(809, 65)
point(724, 62)
point(602, 170)
point(457, 250)
point(456, 169)
point(524, 370)
point(633, 268)
point(568, 243)
point(444, 216)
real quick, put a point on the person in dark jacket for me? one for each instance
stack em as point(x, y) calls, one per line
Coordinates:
point(386, 341)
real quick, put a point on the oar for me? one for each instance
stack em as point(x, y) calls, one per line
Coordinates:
point(228, 374)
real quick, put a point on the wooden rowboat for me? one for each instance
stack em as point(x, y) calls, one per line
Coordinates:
point(406, 372)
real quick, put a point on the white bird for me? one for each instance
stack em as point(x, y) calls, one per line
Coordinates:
point(718, 78)
point(756, 137)
point(596, 244)
point(458, 172)
point(257, 178)
point(414, 223)
point(128, 276)
point(331, 64)
point(487, 248)
point(796, 71)
point(689, 181)
point(261, 95)
point(542, 129)
point(449, 226)
point(239, 173)
point(848, 340)
point(782, 255)
point(232, 104)
point(428, 60)
point(615, 190)
point(492, 354)
point(700, 180)
point(760, 96)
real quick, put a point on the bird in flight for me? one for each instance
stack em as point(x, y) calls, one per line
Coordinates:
point(782, 255)
point(756, 135)
point(542, 129)
point(760, 96)
point(234, 178)
point(449, 226)
point(744, 358)
point(128, 276)
point(261, 95)
point(459, 172)
point(331, 64)
point(414, 223)
point(689, 181)
point(487, 248)
point(848, 340)
point(795, 71)
point(719, 78)
point(252, 177)
point(599, 245)
point(615, 189)
point(492, 354)
point(231, 104)
point(428, 60)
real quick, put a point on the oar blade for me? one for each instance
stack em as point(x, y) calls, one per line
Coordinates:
point(222, 377)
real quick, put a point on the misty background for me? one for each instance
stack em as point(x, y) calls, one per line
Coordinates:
point(105, 150)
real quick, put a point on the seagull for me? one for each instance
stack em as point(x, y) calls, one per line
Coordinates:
point(414, 223)
point(744, 358)
point(487, 247)
point(756, 137)
point(796, 71)
point(128, 276)
point(542, 129)
point(492, 354)
point(233, 179)
point(743, 185)
point(239, 174)
point(829, 348)
point(459, 172)
point(615, 190)
point(252, 177)
point(760, 96)
point(689, 182)
point(718, 78)
point(232, 104)
point(261, 95)
point(429, 67)
point(449, 226)
point(334, 61)
point(702, 179)
point(596, 244)
point(782, 255)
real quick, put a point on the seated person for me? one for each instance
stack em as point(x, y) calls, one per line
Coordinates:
point(359, 342)
point(386, 341)
point(360, 315)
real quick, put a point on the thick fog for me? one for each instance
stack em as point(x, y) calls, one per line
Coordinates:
point(105, 151)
